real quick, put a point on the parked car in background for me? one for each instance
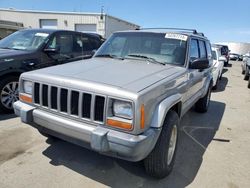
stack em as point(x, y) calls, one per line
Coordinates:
point(245, 68)
point(240, 58)
point(224, 50)
point(30, 49)
point(233, 56)
point(126, 101)
point(218, 64)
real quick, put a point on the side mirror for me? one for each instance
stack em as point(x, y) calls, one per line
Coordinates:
point(222, 58)
point(200, 63)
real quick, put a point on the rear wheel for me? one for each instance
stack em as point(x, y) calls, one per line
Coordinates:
point(242, 72)
point(159, 163)
point(203, 103)
point(248, 85)
point(216, 85)
point(8, 93)
point(246, 76)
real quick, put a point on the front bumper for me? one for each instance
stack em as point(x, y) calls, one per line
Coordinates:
point(109, 142)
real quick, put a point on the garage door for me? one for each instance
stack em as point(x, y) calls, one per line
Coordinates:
point(85, 27)
point(48, 24)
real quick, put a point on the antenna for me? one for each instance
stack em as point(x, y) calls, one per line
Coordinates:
point(102, 8)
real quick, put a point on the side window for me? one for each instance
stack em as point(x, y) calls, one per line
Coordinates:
point(95, 43)
point(203, 52)
point(194, 49)
point(78, 44)
point(209, 50)
point(86, 44)
point(64, 42)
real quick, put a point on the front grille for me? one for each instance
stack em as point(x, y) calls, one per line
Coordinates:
point(78, 104)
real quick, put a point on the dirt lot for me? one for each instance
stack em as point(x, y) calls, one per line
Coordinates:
point(214, 150)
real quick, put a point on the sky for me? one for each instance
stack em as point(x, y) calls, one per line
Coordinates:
point(219, 20)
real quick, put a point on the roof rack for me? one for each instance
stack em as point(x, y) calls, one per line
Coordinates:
point(170, 28)
point(194, 31)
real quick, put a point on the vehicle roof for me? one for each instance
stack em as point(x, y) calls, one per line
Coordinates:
point(50, 31)
point(220, 45)
point(164, 31)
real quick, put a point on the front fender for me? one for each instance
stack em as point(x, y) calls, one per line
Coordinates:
point(162, 109)
point(209, 83)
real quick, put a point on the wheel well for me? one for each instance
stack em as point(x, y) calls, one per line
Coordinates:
point(10, 74)
point(177, 108)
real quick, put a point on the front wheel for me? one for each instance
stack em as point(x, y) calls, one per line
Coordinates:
point(159, 163)
point(203, 103)
point(8, 93)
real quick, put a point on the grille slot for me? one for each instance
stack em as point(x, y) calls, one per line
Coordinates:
point(63, 100)
point(36, 93)
point(99, 108)
point(83, 105)
point(86, 105)
point(54, 97)
point(45, 95)
point(74, 102)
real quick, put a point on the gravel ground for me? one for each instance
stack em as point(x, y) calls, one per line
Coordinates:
point(213, 150)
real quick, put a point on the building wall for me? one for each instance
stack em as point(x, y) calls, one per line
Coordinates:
point(114, 24)
point(67, 20)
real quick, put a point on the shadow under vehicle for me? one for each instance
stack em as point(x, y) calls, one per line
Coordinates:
point(196, 134)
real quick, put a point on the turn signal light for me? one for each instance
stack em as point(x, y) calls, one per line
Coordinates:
point(25, 98)
point(142, 117)
point(119, 124)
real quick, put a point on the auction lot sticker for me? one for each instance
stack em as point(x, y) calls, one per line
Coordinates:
point(176, 36)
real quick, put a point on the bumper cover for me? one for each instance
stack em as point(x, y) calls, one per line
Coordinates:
point(109, 142)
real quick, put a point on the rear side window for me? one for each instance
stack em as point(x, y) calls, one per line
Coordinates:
point(194, 49)
point(209, 50)
point(203, 52)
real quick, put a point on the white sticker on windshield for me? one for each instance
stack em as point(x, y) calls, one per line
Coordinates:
point(176, 36)
point(42, 34)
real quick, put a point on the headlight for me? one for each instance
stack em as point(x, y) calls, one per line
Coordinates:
point(122, 109)
point(27, 87)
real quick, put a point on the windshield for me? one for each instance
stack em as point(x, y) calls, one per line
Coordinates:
point(27, 40)
point(160, 47)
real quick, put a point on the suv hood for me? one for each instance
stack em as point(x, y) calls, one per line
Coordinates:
point(9, 52)
point(132, 75)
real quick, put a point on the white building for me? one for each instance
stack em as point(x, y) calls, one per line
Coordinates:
point(102, 24)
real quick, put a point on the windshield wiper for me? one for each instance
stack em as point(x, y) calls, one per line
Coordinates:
point(110, 56)
point(150, 59)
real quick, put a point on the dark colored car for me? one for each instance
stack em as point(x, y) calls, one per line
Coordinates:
point(32, 49)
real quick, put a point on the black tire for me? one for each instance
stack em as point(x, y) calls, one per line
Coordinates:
point(242, 72)
point(202, 104)
point(246, 76)
point(225, 64)
point(216, 85)
point(156, 163)
point(12, 94)
point(220, 76)
point(248, 85)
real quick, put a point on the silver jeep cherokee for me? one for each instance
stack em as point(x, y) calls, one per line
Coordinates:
point(127, 101)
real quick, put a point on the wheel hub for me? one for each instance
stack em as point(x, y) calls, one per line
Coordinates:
point(9, 94)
